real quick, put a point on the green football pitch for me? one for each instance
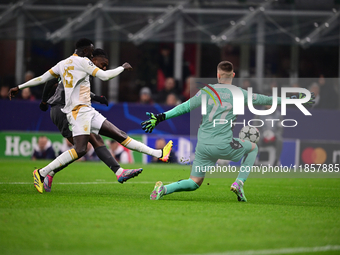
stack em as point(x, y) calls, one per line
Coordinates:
point(89, 212)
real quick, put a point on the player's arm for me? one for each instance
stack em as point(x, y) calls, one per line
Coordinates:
point(259, 99)
point(31, 83)
point(48, 88)
point(95, 71)
point(155, 119)
point(99, 99)
point(109, 74)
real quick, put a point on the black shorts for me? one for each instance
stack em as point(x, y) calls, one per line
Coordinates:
point(59, 119)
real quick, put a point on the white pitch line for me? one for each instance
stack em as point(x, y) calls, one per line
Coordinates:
point(76, 183)
point(279, 251)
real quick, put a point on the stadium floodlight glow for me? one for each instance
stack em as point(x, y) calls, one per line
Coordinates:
point(321, 30)
point(242, 23)
point(159, 23)
point(77, 22)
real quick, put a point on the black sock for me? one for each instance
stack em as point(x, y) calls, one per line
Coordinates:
point(105, 156)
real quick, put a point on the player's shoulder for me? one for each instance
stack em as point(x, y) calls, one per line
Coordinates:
point(86, 62)
point(79, 61)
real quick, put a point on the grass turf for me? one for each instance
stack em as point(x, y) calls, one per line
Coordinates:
point(113, 218)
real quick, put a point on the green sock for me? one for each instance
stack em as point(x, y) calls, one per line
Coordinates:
point(183, 185)
point(247, 162)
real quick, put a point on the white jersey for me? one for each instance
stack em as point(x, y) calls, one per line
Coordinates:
point(75, 72)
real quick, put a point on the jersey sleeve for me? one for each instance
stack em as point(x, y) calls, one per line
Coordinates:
point(89, 67)
point(259, 99)
point(54, 71)
point(185, 107)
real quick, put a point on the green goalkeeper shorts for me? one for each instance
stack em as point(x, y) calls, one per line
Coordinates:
point(206, 155)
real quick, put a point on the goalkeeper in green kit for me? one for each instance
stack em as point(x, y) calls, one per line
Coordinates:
point(214, 141)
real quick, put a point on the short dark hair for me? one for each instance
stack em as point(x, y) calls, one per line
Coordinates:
point(83, 43)
point(99, 53)
point(225, 66)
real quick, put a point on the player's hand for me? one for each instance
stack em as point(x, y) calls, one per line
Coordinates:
point(151, 123)
point(43, 106)
point(302, 95)
point(101, 99)
point(127, 66)
point(12, 92)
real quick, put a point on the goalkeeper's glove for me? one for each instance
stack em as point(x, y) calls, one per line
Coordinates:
point(43, 106)
point(302, 95)
point(150, 124)
point(100, 99)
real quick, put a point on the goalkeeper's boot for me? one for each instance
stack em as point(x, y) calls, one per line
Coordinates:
point(237, 188)
point(48, 183)
point(128, 174)
point(158, 192)
point(38, 181)
point(166, 152)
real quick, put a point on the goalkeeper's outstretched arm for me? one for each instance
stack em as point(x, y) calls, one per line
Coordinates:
point(155, 119)
point(259, 99)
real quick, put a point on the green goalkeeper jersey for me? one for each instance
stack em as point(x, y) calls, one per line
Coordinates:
point(216, 125)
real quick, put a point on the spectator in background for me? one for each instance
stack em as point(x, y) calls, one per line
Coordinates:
point(27, 95)
point(4, 92)
point(36, 91)
point(186, 91)
point(169, 87)
point(44, 149)
point(166, 66)
point(120, 153)
point(145, 96)
point(160, 143)
point(166, 61)
point(328, 96)
point(172, 100)
point(29, 75)
point(316, 89)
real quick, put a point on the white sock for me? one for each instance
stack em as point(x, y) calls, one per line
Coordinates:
point(141, 147)
point(119, 171)
point(52, 173)
point(63, 159)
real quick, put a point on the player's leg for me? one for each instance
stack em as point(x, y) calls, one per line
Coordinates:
point(110, 130)
point(103, 153)
point(49, 178)
point(236, 150)
point(79, 120)
point(60, 120)
point(202, 161)
point(247, 161)
point(67, 157)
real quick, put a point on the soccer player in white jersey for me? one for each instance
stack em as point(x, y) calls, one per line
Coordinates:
point(57, 103)
point(84, 119)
